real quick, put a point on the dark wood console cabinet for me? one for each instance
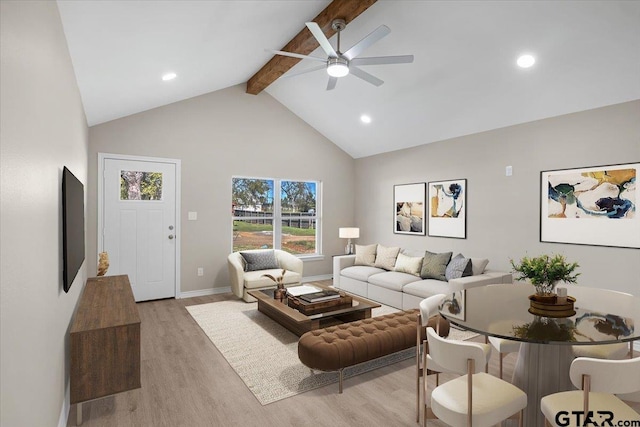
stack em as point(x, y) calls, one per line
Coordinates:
point(105, 341)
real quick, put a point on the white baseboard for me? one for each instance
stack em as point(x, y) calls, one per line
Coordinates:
point(204, 292)
point(64, 412)
point(317, 278)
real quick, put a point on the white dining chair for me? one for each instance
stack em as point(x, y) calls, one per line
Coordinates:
point(504, 347)
point(428, 308)
point(598, 380)
point(473, 399)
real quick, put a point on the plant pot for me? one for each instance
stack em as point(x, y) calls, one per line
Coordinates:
point(551, 305)
point(280, 294)
point(544, 299)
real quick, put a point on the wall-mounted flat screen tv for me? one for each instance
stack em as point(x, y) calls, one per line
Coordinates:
point(72, 227)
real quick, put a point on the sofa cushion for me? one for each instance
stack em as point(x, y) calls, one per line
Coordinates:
point(407, 264)
point(434, 265)
point(392, 280)
point(478, 265)
point(412, 253)
point(255, 279)
point(360, 272)
point(386, 257)
point(427, 288)
point(259, 260)
point(366, 255)
point(458, 267)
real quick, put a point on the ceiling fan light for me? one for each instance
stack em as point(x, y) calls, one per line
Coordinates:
point(337, 67)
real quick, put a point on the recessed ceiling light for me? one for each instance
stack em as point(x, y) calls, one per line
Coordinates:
point(169, 76)
point(365, 119)
point(526, 61)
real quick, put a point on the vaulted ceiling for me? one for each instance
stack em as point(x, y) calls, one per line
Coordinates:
point(464, 78)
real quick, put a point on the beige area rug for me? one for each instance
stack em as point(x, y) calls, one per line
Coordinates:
point(269, 365)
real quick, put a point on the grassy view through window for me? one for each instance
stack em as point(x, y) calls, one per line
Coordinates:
point(256, 224)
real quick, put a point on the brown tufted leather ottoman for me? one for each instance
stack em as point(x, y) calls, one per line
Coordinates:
point(338, 347)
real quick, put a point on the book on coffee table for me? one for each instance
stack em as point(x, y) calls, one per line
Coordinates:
point(324, 295)
point(296, 291)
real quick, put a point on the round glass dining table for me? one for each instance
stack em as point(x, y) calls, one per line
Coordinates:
point(601, 317)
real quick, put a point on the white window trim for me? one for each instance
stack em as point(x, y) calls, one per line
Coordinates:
point(277, 215)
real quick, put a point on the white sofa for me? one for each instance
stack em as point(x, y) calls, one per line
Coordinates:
point(243, 281)
point(402, 290)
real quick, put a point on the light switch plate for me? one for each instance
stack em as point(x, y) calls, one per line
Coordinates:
point(193, 216)
point(508, 171)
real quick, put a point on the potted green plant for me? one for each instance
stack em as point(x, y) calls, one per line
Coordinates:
point(545, 272)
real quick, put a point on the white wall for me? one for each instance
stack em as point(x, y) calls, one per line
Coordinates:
point(42, 129)
point(503, 212)
point(217, 136)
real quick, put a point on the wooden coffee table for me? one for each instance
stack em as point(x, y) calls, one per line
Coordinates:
point(299, 323)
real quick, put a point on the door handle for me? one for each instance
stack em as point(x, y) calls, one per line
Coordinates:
point(170, 236)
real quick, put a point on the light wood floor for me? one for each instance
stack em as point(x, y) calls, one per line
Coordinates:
point(187, 382)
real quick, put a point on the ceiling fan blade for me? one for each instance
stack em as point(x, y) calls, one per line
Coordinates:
point(296, 55)
point(308, 70)
point(373, 37)
point(322, 39)
point(332, 83)
point(377, 60)
point(365, 76)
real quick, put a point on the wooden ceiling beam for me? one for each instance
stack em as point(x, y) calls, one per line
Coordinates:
point(304, 43)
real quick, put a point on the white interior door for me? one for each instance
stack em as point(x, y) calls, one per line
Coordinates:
point(139, 224)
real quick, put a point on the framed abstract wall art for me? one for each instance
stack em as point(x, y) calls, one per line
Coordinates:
point(591, 206)
point(447, 208)
point(408, 203)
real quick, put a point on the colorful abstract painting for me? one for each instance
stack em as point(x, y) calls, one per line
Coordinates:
point(603, 194)
point(409, 208)
point(447, 208)
point(594, 206)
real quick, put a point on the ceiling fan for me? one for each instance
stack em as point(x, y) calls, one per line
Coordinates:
point(340, 64)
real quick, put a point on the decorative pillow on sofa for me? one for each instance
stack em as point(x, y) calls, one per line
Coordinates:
point(366, 255)
point(459, 266)
point(263, 260)
point(408, 264)
point(478, 265)
point(435, 265)
point(386, 257)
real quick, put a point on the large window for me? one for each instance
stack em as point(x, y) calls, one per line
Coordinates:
point(273, 213)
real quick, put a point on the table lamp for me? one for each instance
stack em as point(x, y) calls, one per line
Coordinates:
point(349, 233)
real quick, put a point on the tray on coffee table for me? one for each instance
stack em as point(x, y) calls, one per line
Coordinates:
point(299, 323)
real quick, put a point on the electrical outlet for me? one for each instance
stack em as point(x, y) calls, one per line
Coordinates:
point(508, 171)
point(200, 271)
